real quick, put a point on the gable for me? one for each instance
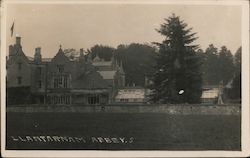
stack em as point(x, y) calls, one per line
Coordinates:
point(60, 58)
point(90, 79)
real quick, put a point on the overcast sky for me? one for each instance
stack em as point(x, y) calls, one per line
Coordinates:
point(84, 25)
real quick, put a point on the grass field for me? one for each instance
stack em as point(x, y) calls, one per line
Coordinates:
point(144, 131)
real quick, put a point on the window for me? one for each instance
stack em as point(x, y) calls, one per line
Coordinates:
point(61, 99)
point(60, 68)
point(61, 81)
point(19, 66)
point(39, 84)
point(93, 99)
point(55, 83)
point(67, 99)
point(19, 80)
point(65, 84)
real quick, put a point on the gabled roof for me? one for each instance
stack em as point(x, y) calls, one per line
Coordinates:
point(61, 56)
point(90, 79)
point(108, 75)
point(30, 58)
point(102, 63)
point(97, 58)
point(16, 50)
point(210, 93)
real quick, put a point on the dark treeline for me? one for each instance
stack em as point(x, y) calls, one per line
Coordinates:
point(219, 65)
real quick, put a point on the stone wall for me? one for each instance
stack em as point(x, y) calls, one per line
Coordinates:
point(134, 108)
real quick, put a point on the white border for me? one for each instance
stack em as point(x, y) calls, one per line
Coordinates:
point(100, 153)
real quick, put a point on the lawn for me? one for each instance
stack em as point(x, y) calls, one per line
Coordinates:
point(123, 131)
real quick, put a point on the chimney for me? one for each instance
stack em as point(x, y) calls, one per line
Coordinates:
point(38, 56)
point(81, 57)
point(38, 50)
point(18, 40)
point(81, 51)
point(11, 50)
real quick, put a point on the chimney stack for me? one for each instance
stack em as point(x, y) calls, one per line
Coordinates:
point(38, 56)
point(38, 50)
point(81, 57)
point(18, 40)
point(81, 51)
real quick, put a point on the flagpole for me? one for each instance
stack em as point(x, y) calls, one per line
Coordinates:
point(12, 29)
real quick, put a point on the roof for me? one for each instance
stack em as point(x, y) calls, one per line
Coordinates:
point(46, 59)
point(97, 59)
point(43, 59)
point(30, 58)
point(102, 63)
point(90, 79)
point(60, 56)
point(210, 86)
point(211, 93)
point(107, 75)
point(131, 93)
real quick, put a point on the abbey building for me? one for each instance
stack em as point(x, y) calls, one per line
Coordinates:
point(61, 80)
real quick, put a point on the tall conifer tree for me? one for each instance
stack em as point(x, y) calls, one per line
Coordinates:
point(178, 77)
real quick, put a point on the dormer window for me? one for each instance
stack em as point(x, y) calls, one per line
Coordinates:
point(60, 68)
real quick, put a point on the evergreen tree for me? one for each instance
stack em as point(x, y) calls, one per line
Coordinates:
point(210, 66)
point(178, 77)
point(225, 65)
point(236, 84)
point(237, 61)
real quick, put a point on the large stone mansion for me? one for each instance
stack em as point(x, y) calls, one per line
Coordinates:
point(61, 80)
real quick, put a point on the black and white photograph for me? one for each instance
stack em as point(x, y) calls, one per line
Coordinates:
point(124, 78)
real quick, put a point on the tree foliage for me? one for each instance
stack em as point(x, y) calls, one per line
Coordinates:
point(178, 65)
point(138, 60)
point(236, 84)
point(71, 53)
point(104, 52)
point(225, 65)
point(218, 66)
point(210, 65)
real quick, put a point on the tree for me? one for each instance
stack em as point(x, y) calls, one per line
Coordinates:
point(210, 66)
point(225, 65)
point(138, 60)
point(71, 53)
point(178, 77)
point(104, 52)
point(237, 61)
point(236, 84)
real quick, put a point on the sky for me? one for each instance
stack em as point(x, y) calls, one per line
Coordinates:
point(84, 25)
